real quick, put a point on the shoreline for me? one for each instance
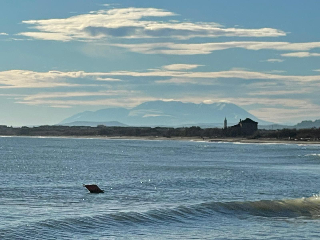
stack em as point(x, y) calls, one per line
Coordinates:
point(264, 141)
point(190, 139)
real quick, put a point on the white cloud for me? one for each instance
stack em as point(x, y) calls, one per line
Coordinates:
point(115, 99)
point(47, 36)
point(132, 23)
point(239, 69)
point(207, 101)
point(279, 92)
point(273, 60)
point(177, 67)
point(210, 101)
point(301, 54)
point(31, 79)
point(20, 39)
point(171, 48)
point(224, 101)
point(193, 77)
point(108, 79)
point(3, 34)
point(275, 71)
point(64, 95)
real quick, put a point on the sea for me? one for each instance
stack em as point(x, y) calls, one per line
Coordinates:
point(158, 189)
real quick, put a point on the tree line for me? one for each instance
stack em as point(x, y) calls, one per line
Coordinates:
point(195, 131)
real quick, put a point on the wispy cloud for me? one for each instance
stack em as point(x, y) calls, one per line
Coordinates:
point(133, 23)
point(108, 79)
point(31, 79)
point(3, 34)
point(301, 54)
point(110, 98)
point(47, 36)
point(193, 77)
point(275, 71)
point(65, 95)
point(274, 60)
point(179, 74)
point(279, 92)
point(177, 67)
point(171, 48)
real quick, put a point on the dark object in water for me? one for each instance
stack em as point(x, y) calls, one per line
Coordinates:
point(93, 188)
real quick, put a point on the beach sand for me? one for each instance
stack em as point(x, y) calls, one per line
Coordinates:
point(193, 139)
point(198, 139)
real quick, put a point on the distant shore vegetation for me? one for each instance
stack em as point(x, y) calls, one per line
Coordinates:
point(312, 134)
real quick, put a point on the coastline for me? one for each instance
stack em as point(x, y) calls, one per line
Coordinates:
point(191, 139)
point(264, 141)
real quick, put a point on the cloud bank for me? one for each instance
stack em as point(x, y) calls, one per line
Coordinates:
point(171, 48)
point(301, 54)
point(175, 73)
point(32, 79)
point(133, 23)
point(128, 88)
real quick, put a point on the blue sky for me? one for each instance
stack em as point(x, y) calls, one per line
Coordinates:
point(58, 58)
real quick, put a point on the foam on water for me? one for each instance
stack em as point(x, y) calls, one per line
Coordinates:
point(313, 154)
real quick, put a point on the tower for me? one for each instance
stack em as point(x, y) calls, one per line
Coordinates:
point(225, 123)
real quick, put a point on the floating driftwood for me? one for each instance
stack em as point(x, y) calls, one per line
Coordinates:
point(93, 188)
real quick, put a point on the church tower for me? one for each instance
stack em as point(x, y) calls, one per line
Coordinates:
point(225, 123)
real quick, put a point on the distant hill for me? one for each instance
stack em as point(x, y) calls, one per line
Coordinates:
point(172, 113)
point(274, 127)
point(302, 125)
point(95, 124)
point(308, 124)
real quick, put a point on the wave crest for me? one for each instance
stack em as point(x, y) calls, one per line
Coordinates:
point(293, 208)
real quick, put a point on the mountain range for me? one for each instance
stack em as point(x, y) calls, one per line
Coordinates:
point(302, 125)
point(164, 113)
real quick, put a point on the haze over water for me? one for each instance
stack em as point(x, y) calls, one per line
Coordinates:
point(157, 190)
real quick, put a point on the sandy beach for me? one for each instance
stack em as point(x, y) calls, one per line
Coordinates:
point(193, 139)
point(197, 139)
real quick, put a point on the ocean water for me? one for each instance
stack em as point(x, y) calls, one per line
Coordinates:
point(158, 190)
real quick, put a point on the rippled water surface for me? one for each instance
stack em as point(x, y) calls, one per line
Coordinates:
point(158, 190)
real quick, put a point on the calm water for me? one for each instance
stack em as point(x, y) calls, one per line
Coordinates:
point(158, 190)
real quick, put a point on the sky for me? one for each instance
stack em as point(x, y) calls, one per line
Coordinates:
point(62, 57)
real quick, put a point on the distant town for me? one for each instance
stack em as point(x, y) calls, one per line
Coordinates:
point(246, 128)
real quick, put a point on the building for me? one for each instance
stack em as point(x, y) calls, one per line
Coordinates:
point(248, 126)
point(245, 127)
point(225, 123)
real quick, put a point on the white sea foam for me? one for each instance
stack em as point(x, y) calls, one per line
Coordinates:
point(261, 143)
point(198, 141)
point(309, 145)
point(241, 143)
point(313, 154)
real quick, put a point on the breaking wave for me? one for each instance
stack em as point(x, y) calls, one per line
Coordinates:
point(295, 208)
